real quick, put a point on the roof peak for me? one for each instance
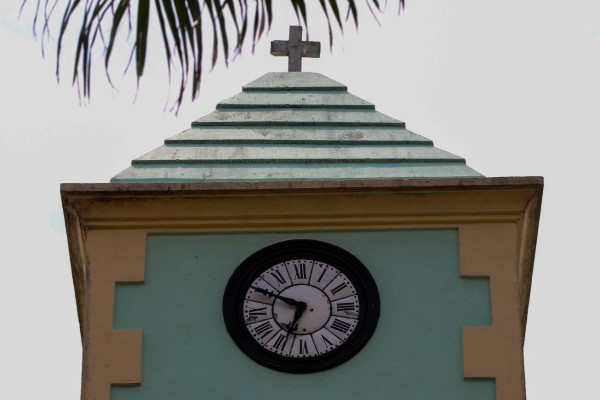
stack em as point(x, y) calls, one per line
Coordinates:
point(294, 81)
point(295, 126)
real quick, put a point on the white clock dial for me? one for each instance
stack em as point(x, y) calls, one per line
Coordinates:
point(301, 308)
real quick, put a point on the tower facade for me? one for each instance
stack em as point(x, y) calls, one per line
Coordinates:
point(298, 243)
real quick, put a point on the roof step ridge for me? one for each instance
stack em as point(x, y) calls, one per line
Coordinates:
point(298, 135)
point(328, 107)
point(293, 81)
point(317, 124)
point(295, 99)
point(318, 142)
point(247, 89)
point(209, 161)
point(281, 117)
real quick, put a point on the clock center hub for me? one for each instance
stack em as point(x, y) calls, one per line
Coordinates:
point(316, 315)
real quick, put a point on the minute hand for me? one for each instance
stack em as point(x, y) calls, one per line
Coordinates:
point(287, 300)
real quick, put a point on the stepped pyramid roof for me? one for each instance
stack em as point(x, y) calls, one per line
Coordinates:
point(294, 126)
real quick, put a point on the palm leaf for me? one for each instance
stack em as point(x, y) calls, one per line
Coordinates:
point(181, 23)
point(141, 41)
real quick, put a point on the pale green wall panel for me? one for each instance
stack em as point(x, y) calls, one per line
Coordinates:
point(415, 353)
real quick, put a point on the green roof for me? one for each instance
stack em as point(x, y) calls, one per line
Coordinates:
point(294, 126)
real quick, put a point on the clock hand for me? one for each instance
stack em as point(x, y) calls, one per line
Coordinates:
point(292, 326)
point(269, 293)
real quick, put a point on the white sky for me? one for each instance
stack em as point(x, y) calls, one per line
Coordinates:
point(512, 86)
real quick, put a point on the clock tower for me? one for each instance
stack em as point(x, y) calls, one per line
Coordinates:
point(296, 243)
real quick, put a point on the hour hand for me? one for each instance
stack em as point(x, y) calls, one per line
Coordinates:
point(292, 326)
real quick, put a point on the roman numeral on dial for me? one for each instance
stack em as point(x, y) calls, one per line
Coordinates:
point(258, 311)
point(264, 328)
point(302, 347)
point(255, 311)
point(345, 306)
point(339, 288)
point(325, 341)
point(300, 270)
point(321, 275)
point(278, 276)
point(263, 331)
point(280, 342)
point(340, 326)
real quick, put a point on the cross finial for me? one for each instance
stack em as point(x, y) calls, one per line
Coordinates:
point(295, 49)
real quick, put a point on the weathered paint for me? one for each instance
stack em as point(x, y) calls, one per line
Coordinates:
point(295, 126)
point(295, 100)
point(415, 353)
point(240, 172)
point(299, 153)
point(298, 135)
point(297, 117)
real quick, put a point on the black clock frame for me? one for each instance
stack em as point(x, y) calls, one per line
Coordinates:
point(263, 259)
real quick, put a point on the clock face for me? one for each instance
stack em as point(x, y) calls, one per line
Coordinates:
point(301, 306)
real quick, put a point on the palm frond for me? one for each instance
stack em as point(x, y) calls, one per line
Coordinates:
point(182, 28)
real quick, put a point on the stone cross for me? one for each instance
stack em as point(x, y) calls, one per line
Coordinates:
point(295, 49)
